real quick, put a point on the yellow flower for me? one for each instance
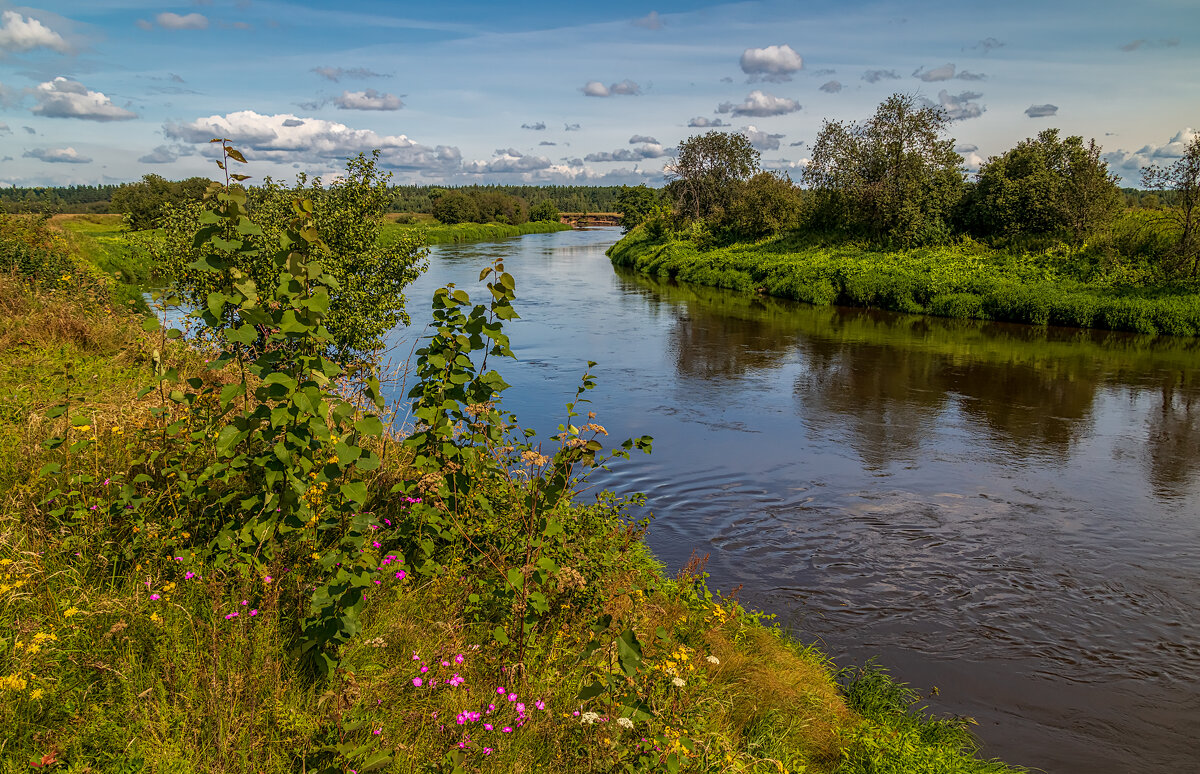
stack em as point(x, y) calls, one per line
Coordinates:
point(70, 611)
point(12, 683)
point(83, 428)
point(155, 618)
point(36, 693)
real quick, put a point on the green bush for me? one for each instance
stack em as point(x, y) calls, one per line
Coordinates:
point(961, 306)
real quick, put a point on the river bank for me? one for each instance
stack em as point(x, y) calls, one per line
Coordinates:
point(127, 651)
point(968, 281)
point(459, 233)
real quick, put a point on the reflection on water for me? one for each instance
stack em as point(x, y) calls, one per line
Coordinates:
point(1006, 512)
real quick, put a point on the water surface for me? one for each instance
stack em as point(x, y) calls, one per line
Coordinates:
point(1006, 513)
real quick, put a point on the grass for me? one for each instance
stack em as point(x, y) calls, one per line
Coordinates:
point(440, 233)
point(115, 655)
point(965, 281)
point(102, 241)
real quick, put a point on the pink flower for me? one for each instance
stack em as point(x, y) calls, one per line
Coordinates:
point(417, 681)
point(512, 697)
point(267, 579)
point(445, 663)
point(254, 612)
point(400, 575)
point(377, 731)
point(244, 603)
point(520, 708)
point(424, 669)
point(488, 726)
point(507, 729)
point(189, 575)
point(540, 704)
point(458, 659)
point(415, 656)
point(154, 597)
point(499, 690)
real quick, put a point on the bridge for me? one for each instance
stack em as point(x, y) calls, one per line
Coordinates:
point(582, 219)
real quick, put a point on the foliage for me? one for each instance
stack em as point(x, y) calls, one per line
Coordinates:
point(57, 199)
point(635, 205)
point(1182, 181)
point(31, 250)
point(891, 177)
point(440, 234)
point(767, 204)
point(705, 172)
point(145, 203)
point(544, 211)
point(965, 280)
point(566, 198)
point(480, 206)
point(366, 299)
point(1045, 185)
point(456, 207)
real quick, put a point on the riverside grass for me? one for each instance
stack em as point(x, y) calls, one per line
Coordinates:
point(966, 281)
point(136, 663)
point(457, 233)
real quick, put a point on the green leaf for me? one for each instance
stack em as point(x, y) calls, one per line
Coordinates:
point(150, 324)
point(499, 636)
point(592, 691)
point(355, 491)
point(244, 334)
point(370, 426)
point(629, 652)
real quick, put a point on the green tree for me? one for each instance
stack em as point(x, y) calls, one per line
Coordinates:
point(635, 204)
point(456, 207)
point(766, 204)
point(1180, 185)
point(143, 203)
point(892, 176)
point(1046, 185)
point(544, 211)
point(703, 177)
point(367, 298)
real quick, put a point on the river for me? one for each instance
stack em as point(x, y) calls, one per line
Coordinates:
point(1004, 513)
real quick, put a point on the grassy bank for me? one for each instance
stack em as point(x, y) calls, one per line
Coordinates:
point(126, 645)
point(965, 281)
point(440, 233)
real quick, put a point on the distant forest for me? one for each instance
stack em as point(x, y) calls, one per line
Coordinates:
point(407, 198)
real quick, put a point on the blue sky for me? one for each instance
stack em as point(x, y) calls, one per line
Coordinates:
point(537, 92)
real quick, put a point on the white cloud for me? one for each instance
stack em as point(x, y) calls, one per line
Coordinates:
point(943, 73)
point(1133, 162)
point(540, 126)
point(144, 24)
point(875, 76)
point(22, 33)
point(368, 100)
point(598, 89)
point(64, 98)
point(642, 138)
point(700, 122)
point(651, 21)
point(761, 140)
point(506, 161)
point(831, 87)
point(648, 151)
point(961, 106)
point(335, 74)
point(161, 155)
point(1041, 111)
point(773, 63)
point(570, 127)
point(57, 156)
point(288, 138)
point(966, 75)
point(760, 104)
point(173, 21)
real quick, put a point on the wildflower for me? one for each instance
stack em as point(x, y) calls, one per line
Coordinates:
point(487, 726)
point(415, 656)
point(189, 575)
point(245, 602)
point(36, 693)
point(70, 611)
point(714, 660)
point(500, 690)
point(678, 682)
point(589, 718)
point(154, 597)
point(507, 729)
point(458, 659)
point(254, 612)
point(155, 618)
point(417, 681)
point(267, 579)
point(377, 731)
point(625, 723)
point(540, 704)
point(400, 575)
point(520, 708)
point(512, 697)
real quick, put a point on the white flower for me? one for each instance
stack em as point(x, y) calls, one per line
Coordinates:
point(714, 660)
point(679, 682)
point(624, 722)
point(588, 718)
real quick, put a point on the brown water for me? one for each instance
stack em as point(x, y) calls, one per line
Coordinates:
point(1008, 514)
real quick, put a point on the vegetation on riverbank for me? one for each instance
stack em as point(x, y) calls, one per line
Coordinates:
point(457, 233)
point(888, 221)
point(966, 280)
point(213, 561)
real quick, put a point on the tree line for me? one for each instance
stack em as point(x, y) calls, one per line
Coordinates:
point(894, 179)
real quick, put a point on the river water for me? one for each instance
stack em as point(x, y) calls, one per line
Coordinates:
point(1004, 513)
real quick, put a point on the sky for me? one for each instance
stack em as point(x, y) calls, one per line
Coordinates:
point(460, 92)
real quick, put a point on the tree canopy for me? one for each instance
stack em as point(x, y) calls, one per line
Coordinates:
point(705, 172)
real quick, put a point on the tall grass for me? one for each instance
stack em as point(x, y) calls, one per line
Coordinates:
point(440, 233)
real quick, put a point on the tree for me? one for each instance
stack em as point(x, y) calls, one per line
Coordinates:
point(456, 207)
point(892, 176)
point(635, 204)
point(143, 202)
point(368, 299)
point(1182, 181)
point(766, 204)
point(1047, 186)
point(544, 211)
point(704, 174)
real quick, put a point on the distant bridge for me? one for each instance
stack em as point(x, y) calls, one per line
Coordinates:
point(581, 219)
